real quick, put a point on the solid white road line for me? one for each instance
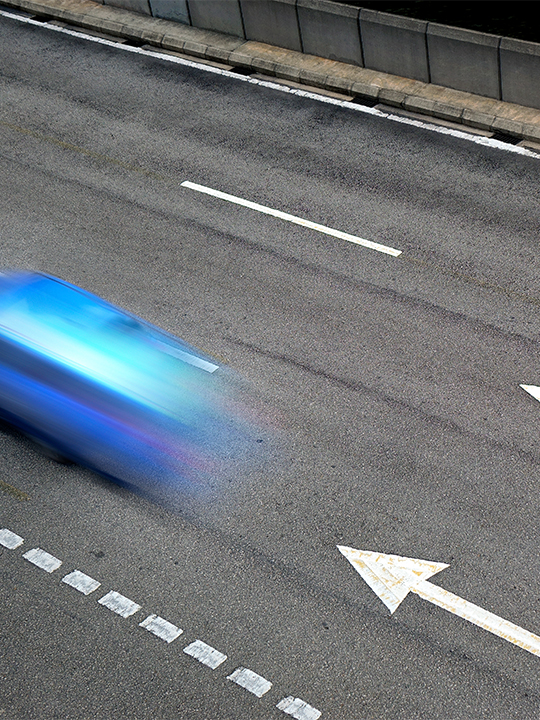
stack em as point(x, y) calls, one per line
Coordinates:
point(42, 560)
point(119, 604)
point(292, 218)
point(161, 628)
point(9, 540)
point(205, 654)
point(299, 709)
point(250, 681)
point(81, 582)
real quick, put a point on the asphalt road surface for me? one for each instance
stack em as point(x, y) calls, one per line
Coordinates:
point(382, 394)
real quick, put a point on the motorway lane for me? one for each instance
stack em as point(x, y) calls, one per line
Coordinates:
point(387, 392)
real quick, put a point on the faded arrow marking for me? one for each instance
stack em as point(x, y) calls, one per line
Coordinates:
point(392, 577)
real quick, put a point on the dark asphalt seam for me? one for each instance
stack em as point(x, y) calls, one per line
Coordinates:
point(392, 402)
point(479, 282)
point(297, 262)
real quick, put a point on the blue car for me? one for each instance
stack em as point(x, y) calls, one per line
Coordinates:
point(103, 388)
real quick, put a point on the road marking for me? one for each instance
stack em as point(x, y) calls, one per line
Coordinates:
point(250, 681)
point(291, 218)
point(205, 654)
point(533, 390)
point(161, 628)
point(123, 606)
point(9, 540)
point(299, 709)
point(81, 582)
point(392, 577)
point(42, 560)
point(119, 604)
point(461, 134)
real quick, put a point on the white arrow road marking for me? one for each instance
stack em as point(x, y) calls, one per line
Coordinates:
point(392, 577)
point(292, 218)
point(533, 390)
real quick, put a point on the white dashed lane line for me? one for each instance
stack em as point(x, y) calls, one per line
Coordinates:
point(291, 218)
point(250, 681)
point(119, 604)
point(81, 582)
point(205, 654)
point(9, 540)
point(161, 628)
point(42, 559)
point(298, 709)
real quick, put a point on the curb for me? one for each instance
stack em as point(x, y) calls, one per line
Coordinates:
point(506, 121)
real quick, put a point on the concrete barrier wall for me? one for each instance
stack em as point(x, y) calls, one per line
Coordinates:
point(520, 72)
point(140, 6)
point(464, 59)
point(176, 10)
point(500, 68)
point(336, 40)
point(219, 15)
point(272, 21)
point(394, 44)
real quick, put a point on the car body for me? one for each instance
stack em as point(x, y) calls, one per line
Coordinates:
point(101, 386)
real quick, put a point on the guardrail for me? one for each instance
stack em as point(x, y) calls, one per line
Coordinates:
point(475, 62)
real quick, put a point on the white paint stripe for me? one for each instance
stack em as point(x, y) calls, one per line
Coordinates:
point(250, 681)
point(119, 604)
point(291, 218)
point(462, 135)
point(9, 540)
point(42, 559)
point(160, 627)
point(81, 582)
point(205, 654)
point(299, 709)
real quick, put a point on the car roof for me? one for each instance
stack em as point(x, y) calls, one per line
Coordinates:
point(92, 337)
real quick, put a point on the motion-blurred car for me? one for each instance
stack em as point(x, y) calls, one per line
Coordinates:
point(101, 387)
